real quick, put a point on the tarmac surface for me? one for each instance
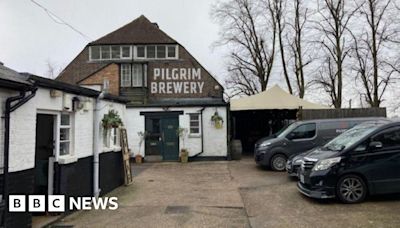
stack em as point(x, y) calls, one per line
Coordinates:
point(228, 194)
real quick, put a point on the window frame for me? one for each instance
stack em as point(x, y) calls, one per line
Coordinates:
point(132, 75)
point(373, 139)
point(90, 53)
point(122, 85)
point(70, 141)
point(130, 52)
point(176, 51)
point(199, 116)
point(304, 139)
point(136, 52)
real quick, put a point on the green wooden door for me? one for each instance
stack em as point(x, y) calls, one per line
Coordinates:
point(170, 139)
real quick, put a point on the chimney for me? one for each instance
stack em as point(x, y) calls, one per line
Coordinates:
point(1, 63)
point(155, 24)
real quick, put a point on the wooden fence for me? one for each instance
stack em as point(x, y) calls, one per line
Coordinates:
point(340, 113)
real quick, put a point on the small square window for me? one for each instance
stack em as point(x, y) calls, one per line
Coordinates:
point(105, 52)
point(64, 148)
point(151, 52)
point(194, 122)
point(115, 52)
point(141, 51)
point(95, 52)
point(160, 52)
point(64, 119)
point(171, 51)
point(125, 52)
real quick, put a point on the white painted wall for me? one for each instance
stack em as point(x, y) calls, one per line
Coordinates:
point(23, 127)
point(215, 140)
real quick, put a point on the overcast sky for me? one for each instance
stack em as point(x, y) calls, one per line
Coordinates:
point(30, 38)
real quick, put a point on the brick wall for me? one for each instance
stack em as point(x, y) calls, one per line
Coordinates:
point(111, 73)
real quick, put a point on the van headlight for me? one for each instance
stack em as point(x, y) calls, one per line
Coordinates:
point(326, 163)
point(265, 144)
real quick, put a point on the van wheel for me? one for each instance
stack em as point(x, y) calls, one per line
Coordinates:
point(351, 189)
point(278, 162)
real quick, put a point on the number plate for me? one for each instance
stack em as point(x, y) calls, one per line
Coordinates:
point(302, 178)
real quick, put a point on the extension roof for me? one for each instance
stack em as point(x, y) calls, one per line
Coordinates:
point(273, 98)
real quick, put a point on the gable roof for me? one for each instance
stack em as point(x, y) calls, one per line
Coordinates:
point(12, 79)
point(274, 98)
point(139, 31)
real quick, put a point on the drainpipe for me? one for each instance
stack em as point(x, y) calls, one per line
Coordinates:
point(21, 99)
point(96, 146)
point(202, 134)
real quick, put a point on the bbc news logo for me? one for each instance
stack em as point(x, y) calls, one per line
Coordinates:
point(56, 203)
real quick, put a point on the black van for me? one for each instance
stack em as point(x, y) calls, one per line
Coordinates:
point(299, 137)
point(363, 160)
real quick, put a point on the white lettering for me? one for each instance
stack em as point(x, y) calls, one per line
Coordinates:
point(113, 202)
point(182, 71)
point(175, 74)
point(186, 87)
point(161, 87)
point(192, 87)
point(196, 73)
point(169, 87)
point(86, 201)
point(100, 203)
point(178, 87)
point(153, 87)
point(201, 85)
point(156, 73)
point(75, 203)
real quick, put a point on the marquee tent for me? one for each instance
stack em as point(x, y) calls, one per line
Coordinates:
point(273, 98)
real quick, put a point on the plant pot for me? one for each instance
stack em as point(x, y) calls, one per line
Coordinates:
point(184, 156)
point(138, 159)
point(218, 124)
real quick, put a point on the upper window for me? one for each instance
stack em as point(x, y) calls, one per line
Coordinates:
point(305, 131)
point(194, 124)
point(111, 52)
point(65, 134)
point(133, 75)
point(126, 75)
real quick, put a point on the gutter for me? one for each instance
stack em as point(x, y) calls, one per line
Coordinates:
point(202, 134)
point(96, 147)
point(20, 100)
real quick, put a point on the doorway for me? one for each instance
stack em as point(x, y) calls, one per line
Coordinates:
point(162, 139)
point(44, 150)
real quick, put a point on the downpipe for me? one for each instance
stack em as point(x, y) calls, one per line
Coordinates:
point(21, 99)
point(96, 147)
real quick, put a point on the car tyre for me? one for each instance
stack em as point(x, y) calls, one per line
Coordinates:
point(278, 162)
point(351, 189)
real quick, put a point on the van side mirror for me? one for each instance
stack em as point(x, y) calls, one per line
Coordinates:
point(375, 145)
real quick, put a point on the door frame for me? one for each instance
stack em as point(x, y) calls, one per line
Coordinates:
point(56, 121)
point(161, 115)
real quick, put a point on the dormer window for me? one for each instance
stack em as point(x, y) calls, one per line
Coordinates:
point(139, 52)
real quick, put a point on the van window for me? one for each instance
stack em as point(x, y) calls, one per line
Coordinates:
point(389, 138)
point(305, 131)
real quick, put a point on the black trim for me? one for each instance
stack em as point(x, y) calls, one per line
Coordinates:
point(14, 85)
point(177, 104)
point(161, 113)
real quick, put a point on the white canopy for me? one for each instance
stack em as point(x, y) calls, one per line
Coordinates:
point(274, 98)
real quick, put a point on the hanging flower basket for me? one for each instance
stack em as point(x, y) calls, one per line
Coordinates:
point(217, 120)
point(111, 120)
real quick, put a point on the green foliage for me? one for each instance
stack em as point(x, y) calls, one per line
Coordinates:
point(111, 120)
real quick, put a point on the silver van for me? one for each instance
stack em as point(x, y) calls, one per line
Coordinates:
point(300, 137)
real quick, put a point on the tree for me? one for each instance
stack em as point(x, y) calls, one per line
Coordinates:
point(296, 41)
point(278, 9)
point(335, 16)
point(372, 67)
point(248, 28)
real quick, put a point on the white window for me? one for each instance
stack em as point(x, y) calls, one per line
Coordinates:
point(161, 52)
point(172, 52)
point(151, 52)
point(140, 52)
point(95, 53)
point(137, 75)
point(126, 75)
point(65, 134)
point(194, 124)
point(126, 52)
point(111, 138)
point(105, 52)
point(115, 52)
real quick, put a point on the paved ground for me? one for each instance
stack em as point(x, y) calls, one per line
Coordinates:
point(229, 194)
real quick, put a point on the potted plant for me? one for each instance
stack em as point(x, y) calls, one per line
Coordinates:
point(217, 120)
point(184, 154)
point(111, 120)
